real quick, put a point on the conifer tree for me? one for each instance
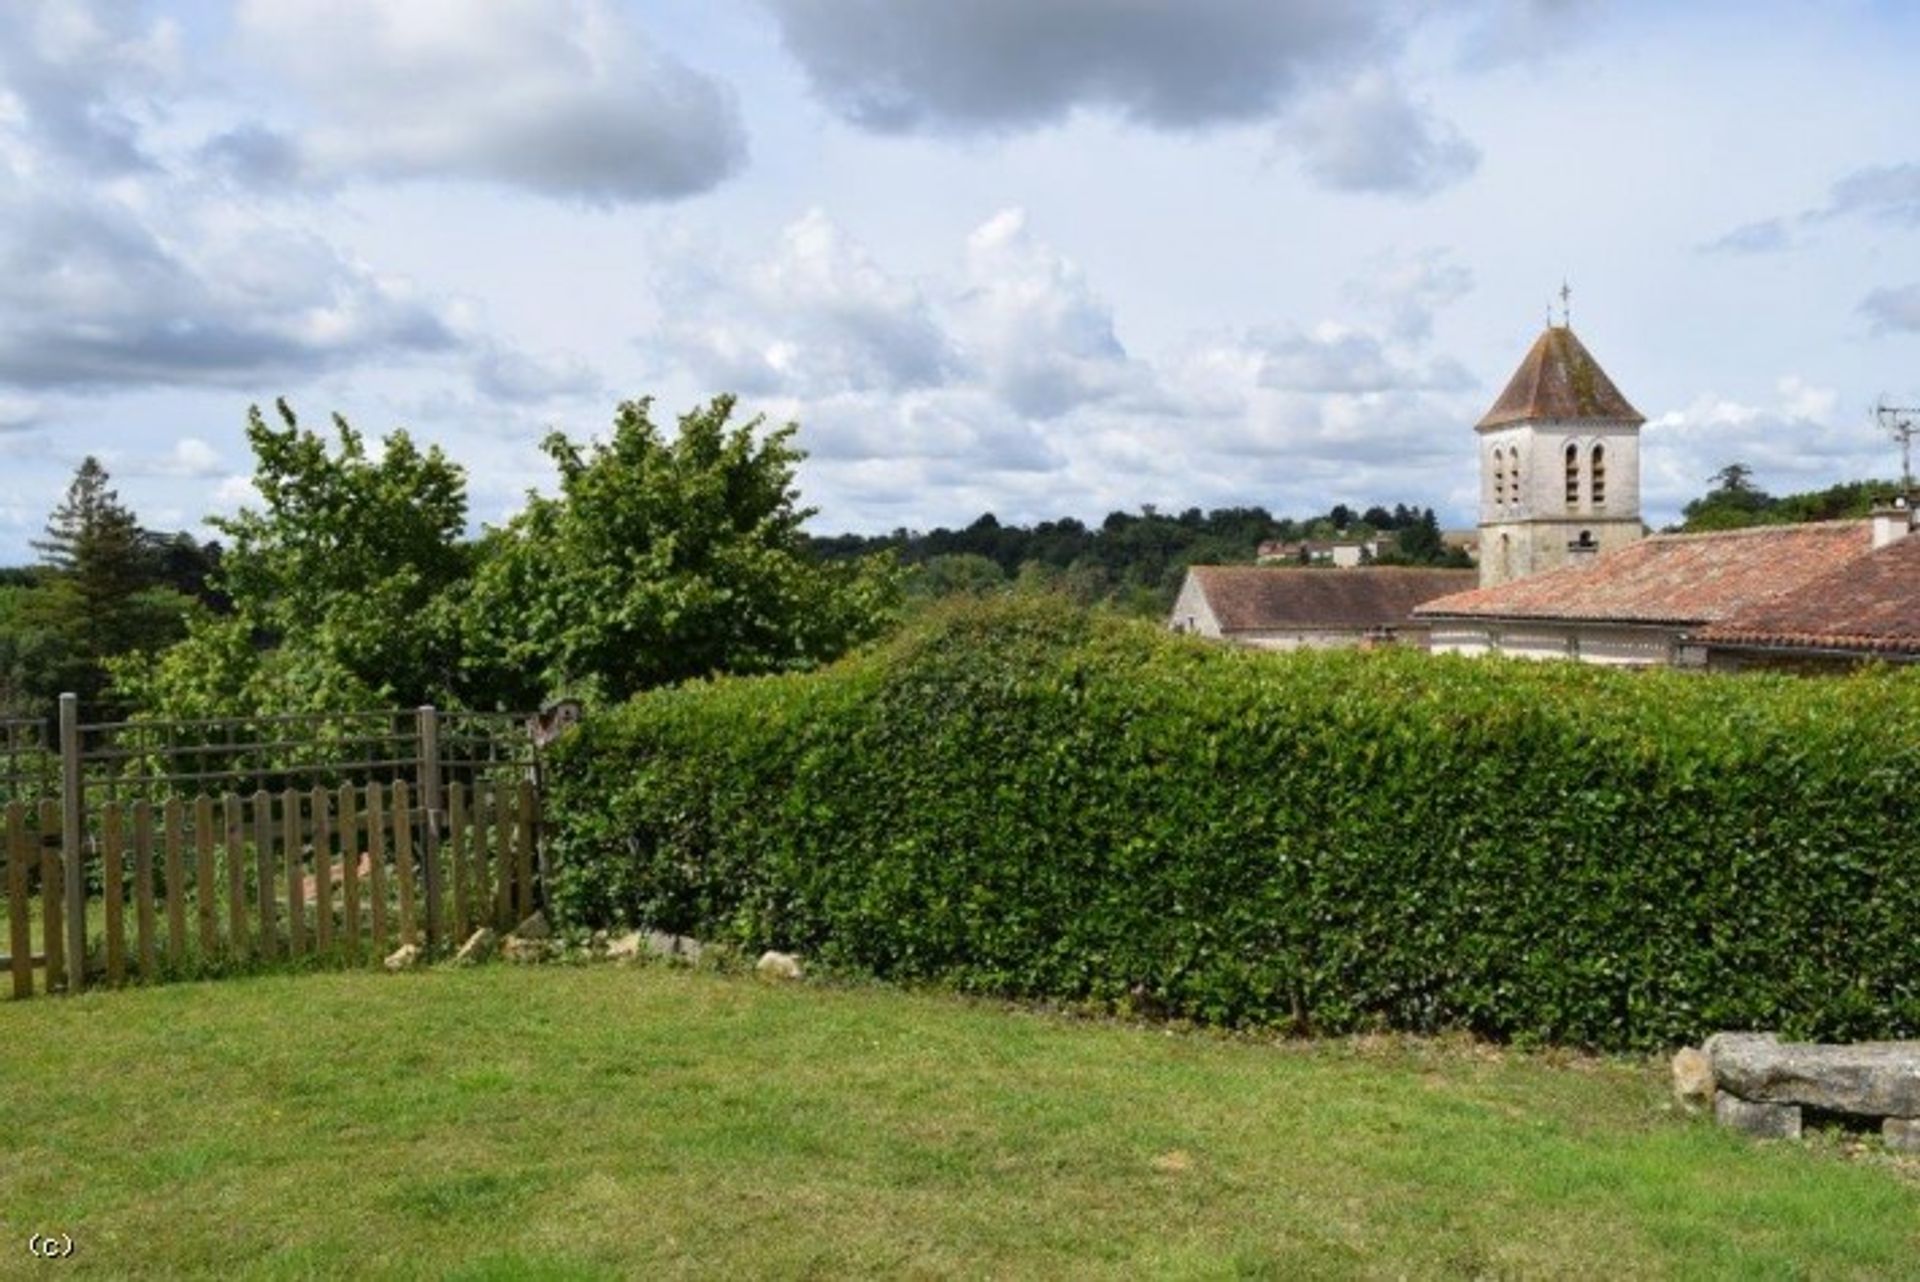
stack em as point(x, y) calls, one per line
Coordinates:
point(93, 542)
point(95, 603)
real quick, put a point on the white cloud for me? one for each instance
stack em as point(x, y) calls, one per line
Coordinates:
point(115, 271)
point(76, 76)
point(1888, 194)
point(122, 267)
point(504, 374)
point(909, 65)
point(96, 291)
point(1407, 289)
point(19, 414)
point(190, 457)
point(1371, 137)
point(1040, 336)
point(1769, 235)
point(1528, 31)
point(1005, 65)
point(1036, 407)
point(817, 317)
point(1796, 440)
point(1893, 310)
point(234, 492)
point(565, 98)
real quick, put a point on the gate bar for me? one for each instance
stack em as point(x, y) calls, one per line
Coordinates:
point(432, 809)
point(73, 834)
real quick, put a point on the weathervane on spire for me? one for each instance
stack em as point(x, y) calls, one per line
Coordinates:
point(1566, 304)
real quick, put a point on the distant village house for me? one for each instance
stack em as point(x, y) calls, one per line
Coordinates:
point(1278, 608)
point(1342, 554)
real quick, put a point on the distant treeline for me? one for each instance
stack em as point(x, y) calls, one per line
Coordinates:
point(1735, 502)
point(1132, 559)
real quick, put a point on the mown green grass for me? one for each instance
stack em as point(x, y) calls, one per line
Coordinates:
point(567, 1122)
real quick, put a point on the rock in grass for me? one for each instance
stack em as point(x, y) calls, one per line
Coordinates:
point(478, 948)
point(534, 927)
point(1902, 1134)
point(518, 948)
point(1693, 1079)
point(405, 957)
point(779, 966)
point(1764, 1121)
point(626, 948)
point(680, 948)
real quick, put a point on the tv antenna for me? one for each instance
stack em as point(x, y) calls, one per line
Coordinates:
point(1900, 422)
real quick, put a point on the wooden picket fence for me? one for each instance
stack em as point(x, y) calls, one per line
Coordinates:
point(200, 885)
point(184, 880)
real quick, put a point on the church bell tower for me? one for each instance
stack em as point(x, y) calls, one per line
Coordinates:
point(1559, 464)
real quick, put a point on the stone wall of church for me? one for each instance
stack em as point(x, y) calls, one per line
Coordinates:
point(1526, 520)
point(1511, 551)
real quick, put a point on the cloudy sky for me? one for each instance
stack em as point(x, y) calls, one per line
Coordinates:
point(1041, 257)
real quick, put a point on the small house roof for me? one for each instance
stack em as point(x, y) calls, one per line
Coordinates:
point(1870, 605)
point(1258, 598)
point(1672, 578)
point(1559, 379)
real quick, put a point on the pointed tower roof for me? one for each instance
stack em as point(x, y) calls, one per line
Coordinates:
point(1559, 379)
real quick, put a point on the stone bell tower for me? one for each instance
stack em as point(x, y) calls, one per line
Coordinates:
point(1559, 464)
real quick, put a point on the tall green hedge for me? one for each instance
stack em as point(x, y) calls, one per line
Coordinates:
point(1023, 799)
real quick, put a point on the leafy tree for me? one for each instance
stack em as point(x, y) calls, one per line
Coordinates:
point(957, 574)
point(350, 553)
point(221, 670)
point(40, 653)
point(1848, 500)
point(183, 563)
point(1735, 502)
point(1734, 478)
point(665, 558)
point(1420, 542)
point(342, 582)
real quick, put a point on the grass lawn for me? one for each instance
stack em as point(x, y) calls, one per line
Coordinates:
point(566, 1122)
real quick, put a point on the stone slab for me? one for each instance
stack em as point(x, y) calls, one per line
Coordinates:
point(1868, 1079)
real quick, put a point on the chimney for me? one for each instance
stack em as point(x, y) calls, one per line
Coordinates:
point(1892, 521)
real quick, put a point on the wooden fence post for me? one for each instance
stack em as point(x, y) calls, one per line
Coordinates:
point(431, 808)
point(73, 841)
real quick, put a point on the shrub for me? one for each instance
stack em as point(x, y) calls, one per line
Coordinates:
point(1019, 798)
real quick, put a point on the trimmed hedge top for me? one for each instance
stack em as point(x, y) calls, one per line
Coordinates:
point(1025, 799)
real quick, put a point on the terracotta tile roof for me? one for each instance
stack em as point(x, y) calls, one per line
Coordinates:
point(1674, 578)
point(1559, 379)
point(1248, 598)
point(1870, 605)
